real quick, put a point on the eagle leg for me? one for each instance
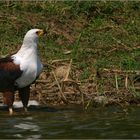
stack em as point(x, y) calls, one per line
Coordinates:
point(8, 99)
point(24, 94)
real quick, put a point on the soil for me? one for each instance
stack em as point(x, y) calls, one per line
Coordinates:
point(60, 84)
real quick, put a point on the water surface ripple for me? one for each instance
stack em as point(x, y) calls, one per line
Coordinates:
point(72, 122)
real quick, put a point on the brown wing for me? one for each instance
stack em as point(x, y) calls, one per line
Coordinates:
point(9, 72)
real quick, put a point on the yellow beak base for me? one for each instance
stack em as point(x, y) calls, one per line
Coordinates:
point(40, 32)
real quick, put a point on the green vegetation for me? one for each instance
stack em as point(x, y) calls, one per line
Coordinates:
point(98, 34)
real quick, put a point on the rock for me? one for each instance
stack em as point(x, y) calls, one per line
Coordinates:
point(100, 100)
point(18, 104)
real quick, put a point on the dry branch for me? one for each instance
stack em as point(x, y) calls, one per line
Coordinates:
point(68, 71)
point(116, 81)
point(126, 82)
point(59, 60)
point(121, 43)
point(104, 28)
point(122, 71)
point(60, 89)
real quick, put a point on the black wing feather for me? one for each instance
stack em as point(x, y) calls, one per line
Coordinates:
point(9, 72)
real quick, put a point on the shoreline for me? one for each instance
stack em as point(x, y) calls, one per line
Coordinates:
point(61, 85)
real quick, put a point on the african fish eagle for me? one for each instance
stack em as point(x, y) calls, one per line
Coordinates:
point(20, 70)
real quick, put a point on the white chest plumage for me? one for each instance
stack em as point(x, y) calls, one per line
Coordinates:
point(27, 58)
point(30, 64)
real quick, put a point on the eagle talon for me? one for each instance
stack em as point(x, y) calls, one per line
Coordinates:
point(25, 109)
point(11, 111)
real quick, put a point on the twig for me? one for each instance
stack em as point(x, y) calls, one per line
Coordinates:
point(66, 79)
point(72, 81)
point(136, 47)
point(60, 89)
point(116, 81)
point(137, 87)
point(88, 103)
point(121, 43)
point(59, 60)
point(77, 87)
point(47, 64)
point(122, 71)
point(67, 75)
point(68, 71)
point(110, 51)
point(58, 31)
point(107, 28)
point(126, 82)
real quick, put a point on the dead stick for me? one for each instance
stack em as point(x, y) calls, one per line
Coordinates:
point(58, 60)
point(60, 89)
point(126, 81)
point(77, 87)
point(68, 71)
point(47, 64)
point(122, 71)
point(116, 81)
point(67, 75)
point(104, 28)
point(110, 51)
point(119, 42)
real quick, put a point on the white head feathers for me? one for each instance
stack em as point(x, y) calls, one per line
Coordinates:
point(28, 59)
point(32, 36)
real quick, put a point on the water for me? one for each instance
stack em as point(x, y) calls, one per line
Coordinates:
point(71, 122)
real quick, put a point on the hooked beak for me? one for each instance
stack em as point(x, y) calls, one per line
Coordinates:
point(41, 32)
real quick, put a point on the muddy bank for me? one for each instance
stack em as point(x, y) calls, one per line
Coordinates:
point(60, 84)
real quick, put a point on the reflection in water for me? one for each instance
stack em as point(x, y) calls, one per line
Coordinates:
point(27, 126)
point(72, 123)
